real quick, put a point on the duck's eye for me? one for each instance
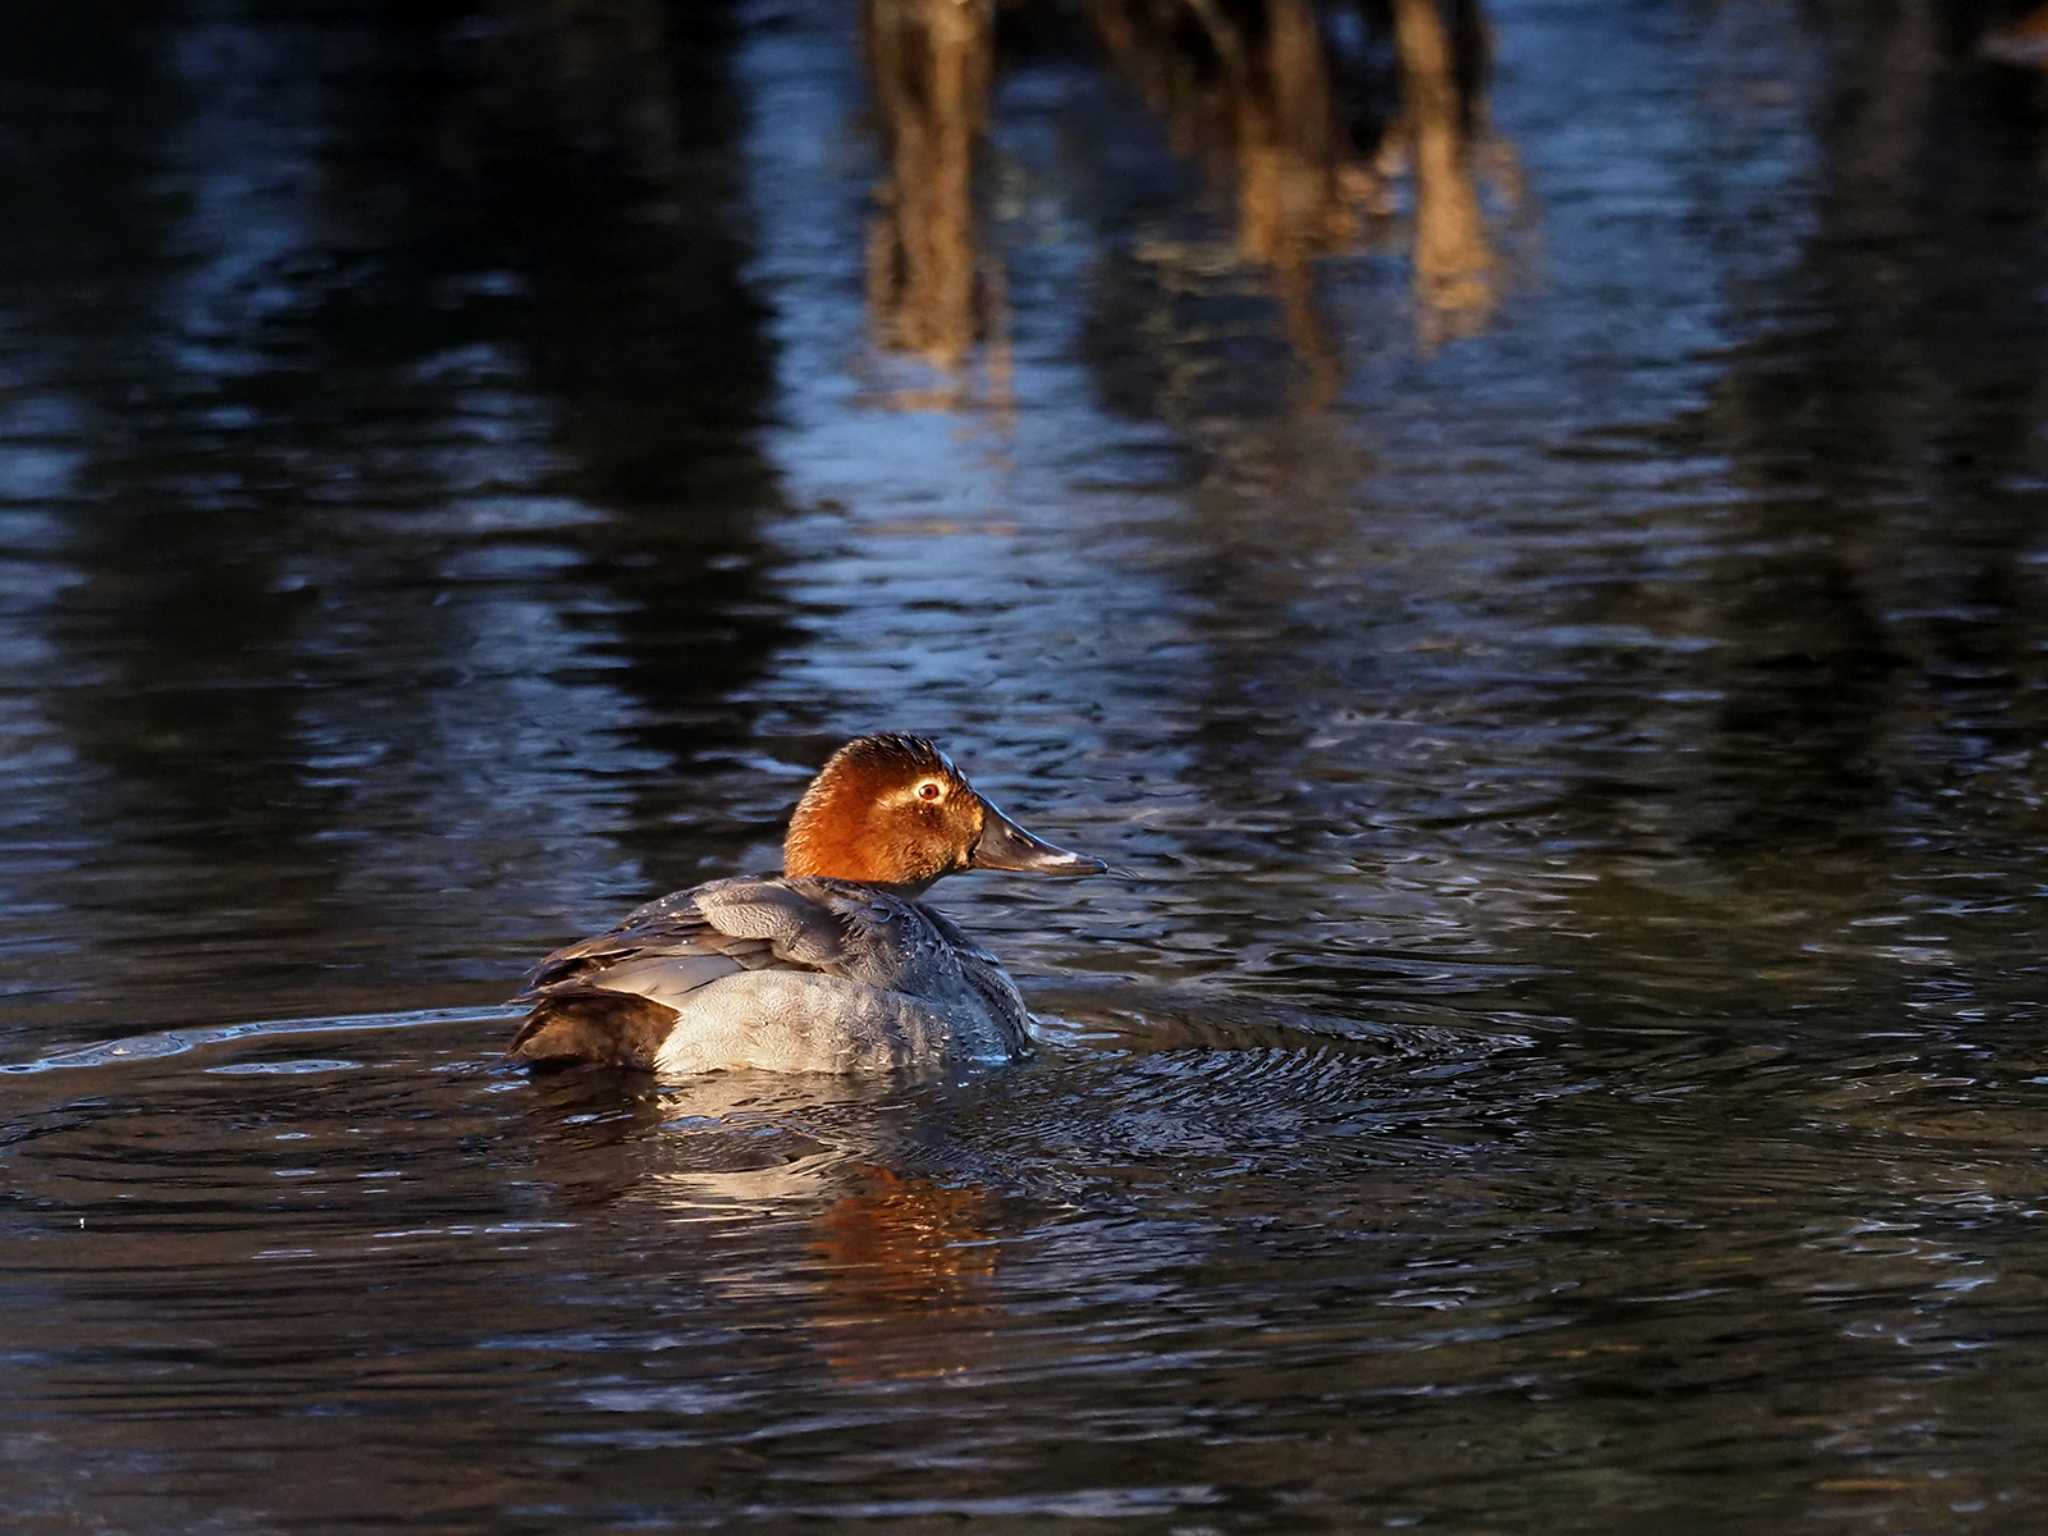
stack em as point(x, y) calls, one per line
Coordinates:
point(929, 790)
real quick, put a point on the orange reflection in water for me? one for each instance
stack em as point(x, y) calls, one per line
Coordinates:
point(910, 1266)
point(933, 289)
point(1257, 91)
point(1454, 267)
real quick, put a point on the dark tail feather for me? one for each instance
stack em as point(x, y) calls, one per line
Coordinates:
point(615, 1029)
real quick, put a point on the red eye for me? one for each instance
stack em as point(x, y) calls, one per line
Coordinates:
point(928, 791)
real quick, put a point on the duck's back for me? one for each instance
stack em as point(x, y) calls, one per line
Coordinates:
point(786, 974)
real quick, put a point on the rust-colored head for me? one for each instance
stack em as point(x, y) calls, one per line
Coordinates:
point(894, 810)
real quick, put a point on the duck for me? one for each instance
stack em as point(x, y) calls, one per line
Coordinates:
point(837, 965)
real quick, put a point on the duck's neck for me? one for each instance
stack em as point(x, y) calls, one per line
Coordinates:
point(812, 852)
point(903, 890)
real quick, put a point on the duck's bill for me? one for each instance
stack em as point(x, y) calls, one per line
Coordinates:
point(1005, 845)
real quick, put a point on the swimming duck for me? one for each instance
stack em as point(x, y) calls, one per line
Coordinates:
point(837, 965)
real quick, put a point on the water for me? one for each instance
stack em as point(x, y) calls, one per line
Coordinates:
point(1567, 1055)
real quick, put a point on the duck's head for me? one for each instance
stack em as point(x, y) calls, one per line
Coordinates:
point(894, 810)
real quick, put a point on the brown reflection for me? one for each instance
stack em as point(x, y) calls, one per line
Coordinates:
point(1454, 285)
point(1302, 131)
point(896, 1269)
point(931, 291)
point(1261, 94)
point(1251, 94)
point(1251, 91)
point(910, 1262)
point(904, 1264)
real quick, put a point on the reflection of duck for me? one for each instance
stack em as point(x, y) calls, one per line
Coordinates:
point(904, 1240)
point(839, 1205)
point(908, 1261)
point(897, 1266)
point(835, 966)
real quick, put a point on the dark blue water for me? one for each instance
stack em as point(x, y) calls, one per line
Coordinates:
point(1572, 700)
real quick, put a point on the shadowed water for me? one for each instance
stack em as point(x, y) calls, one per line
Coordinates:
point(1569, 698)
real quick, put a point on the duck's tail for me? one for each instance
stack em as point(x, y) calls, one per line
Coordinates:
point(589, 1024)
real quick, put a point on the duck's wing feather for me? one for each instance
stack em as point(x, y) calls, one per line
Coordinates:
point(742, 924)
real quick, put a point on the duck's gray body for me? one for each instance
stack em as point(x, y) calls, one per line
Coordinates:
point(786, 974)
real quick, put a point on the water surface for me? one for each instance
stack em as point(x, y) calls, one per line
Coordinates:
point(1568, 1053)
